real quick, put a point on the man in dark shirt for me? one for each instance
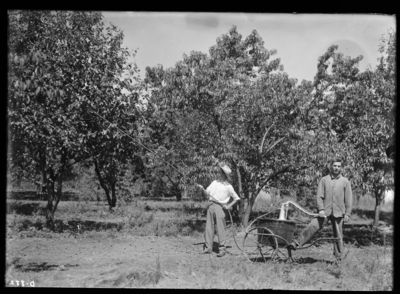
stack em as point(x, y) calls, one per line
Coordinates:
point(334, 199)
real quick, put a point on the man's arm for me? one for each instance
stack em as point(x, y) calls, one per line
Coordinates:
point(320, 196)
point(235, 198)
point(348, 198)
point(204, 192)
point(228, 206)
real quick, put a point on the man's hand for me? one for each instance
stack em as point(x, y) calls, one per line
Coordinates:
point(227, 206)
point(200, 186)
point(346, 218)
point(204, 191)
point(321, 213)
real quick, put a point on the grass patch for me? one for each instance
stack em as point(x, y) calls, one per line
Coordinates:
point(132, 279)
point(366, 270)
point(186, 218)
point(135, 278)
point(137, 218)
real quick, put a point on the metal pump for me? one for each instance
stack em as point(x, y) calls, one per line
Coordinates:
point(284, 210)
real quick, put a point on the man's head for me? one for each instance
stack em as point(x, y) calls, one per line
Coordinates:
point(336, 166)
point(225, 172)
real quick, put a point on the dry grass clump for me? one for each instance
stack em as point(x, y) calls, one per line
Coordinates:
point(132, 279)
point(238, 275)
point(135, 278)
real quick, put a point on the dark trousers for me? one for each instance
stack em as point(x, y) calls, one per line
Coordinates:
point(215, 218)
point(317, 224)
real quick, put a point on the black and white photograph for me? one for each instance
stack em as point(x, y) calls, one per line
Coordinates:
point(200, 150)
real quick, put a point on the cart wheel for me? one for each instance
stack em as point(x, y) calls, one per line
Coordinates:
point(259, 245)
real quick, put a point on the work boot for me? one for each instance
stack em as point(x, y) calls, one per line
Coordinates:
point(338, 260)
point(222, 252)
point(207, 250)
point(293, 245)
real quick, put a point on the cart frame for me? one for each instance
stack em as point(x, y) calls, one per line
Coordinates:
point(267, 243)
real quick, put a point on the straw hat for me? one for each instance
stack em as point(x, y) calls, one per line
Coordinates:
point(227, 171)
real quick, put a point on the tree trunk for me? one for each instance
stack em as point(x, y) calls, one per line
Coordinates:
point(38, 184)
point(240, 191)
point(50, 198)
point(58, 194)
point(249, 209)
point(246, 215)
point(42, 185)
point(114, 196)
point(103, 184)
point(184, 192)
point(241, 207)
point(107, 191)
point(250, 201)
point(175, 189)
point(178, 196)
point(44, 176)
point(379, 193)
point(60, 179)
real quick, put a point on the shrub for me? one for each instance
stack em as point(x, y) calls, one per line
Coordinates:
point(306, 198)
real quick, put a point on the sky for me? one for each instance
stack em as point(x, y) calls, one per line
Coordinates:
point(163, 37)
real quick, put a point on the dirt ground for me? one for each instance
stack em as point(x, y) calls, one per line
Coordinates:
point(83, 262)
point(93, 250)
point(97, 261)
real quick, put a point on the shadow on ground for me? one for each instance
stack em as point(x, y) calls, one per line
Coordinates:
point(32, 195)
point(25, 208)
point(301, 260)
point(77, 226)
point(38, 267)
point(196, 225)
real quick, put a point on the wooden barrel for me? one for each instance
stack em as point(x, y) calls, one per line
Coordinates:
point(282, 228)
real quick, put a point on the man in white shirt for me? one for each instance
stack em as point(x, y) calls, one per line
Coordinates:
point(219, 193)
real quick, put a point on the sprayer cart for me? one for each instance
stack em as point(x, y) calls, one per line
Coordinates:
point(267, 239)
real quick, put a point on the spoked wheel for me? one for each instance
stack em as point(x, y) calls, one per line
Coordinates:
point(260, 244)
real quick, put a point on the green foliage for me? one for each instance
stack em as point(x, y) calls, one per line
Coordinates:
point(73, 98)
point(63, 67)
point(306, 198)
point(234, 105)
point(358, 109)
point(86, 184)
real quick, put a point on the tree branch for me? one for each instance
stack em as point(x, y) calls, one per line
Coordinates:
point(263, 139)
point(169, 178)
point(266, 152)
point(76, 161)
point(34, 151)
point(316, 95)
point(299, 169)
point(275, 174)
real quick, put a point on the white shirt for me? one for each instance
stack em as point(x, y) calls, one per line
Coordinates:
point(222, 192)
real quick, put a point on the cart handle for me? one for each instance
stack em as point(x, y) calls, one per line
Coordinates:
point(285, 204)
point(317, 240)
